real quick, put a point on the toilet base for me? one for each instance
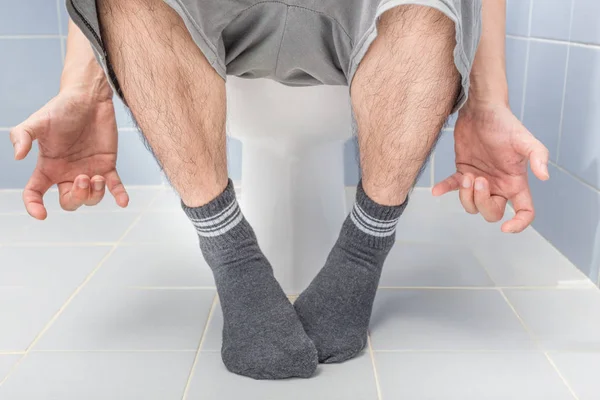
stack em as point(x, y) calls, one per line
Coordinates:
point(295, 201)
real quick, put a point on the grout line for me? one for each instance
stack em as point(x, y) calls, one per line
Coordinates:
point(118, 351)
point(578, 179)
point(555, 41)
point(168, 287)
point(555, 287)
point(526, 72)
point(11, 353)
point(459, 351)
point(193, 368)
point(71, 297)
point(62, 45)
point(564, 88)
point(31, 37)
point(58, 244)
point(523, 324)
point(372, 355)
point(561, 376)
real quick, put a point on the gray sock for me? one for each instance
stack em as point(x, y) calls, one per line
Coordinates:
point(336, 307)
point(262, 335)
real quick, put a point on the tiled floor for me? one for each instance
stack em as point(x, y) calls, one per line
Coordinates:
point(112, 304)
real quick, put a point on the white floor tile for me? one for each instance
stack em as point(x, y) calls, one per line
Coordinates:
point(7, 361)
point(352, 380)
point(445, 319)
point(12, 226)
point(99, 376)
point(24, 312)
point(432, 264)
point(468, 376)
point(582, 371)
point(526, 259)
point(130, 319)
point(567, 319)
point(48, 266)
point(163, 227)
point(97, 227)
point(155, 265)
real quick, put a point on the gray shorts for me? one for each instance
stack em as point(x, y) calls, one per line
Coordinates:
point(295, 42)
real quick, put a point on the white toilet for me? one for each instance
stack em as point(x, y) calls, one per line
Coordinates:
point(292, 170)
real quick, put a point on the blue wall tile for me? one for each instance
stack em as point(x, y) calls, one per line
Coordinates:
point(122, 114)
point(516, 57)
point(586, 21)
point(580, 139)
point(544, 93)
point(551, 19)
point(28, 17)
point(234, 158)
point(568, 215)
point(64, 17)
point(135, 163)
point(444, 164)
point(517, 17)
point(30, 79)
point(351, 162)
point(15, 174)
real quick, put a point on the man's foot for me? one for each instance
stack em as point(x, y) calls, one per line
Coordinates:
point(336, 307)
point(262, 336)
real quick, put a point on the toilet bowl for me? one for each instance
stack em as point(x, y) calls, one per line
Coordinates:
point(292, 170)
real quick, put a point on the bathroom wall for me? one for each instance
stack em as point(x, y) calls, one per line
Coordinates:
point(32, 46)
point(553, 67)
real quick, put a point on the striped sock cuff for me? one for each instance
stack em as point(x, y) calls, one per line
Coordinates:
point(219, 216)
point(372, 219)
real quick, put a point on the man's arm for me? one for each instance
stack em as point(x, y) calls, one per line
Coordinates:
point(77, 136)
point(81, 71)
point(493, 148)
point(488, 74)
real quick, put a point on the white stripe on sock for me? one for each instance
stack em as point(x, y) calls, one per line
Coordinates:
point(214, 222)
point(224, 229)
point(373, 221)
point(368, 231)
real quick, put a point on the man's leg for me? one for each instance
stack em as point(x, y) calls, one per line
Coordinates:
point(403, 91)
point(179, 103)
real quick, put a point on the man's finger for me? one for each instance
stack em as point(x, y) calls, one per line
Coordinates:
point(22, 137)
point(465, 193)
point(491, 207)
point(33, 195)
point(97, 186)
point(447, 185)
point(524, 213)
point(538, 160)
point(74, 194)
point(116, 188)
point(538, 155)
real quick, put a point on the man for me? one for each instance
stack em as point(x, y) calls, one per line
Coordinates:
point(408, 65)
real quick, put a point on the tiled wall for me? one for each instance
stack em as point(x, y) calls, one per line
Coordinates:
point(32, 45)
point(553, 67)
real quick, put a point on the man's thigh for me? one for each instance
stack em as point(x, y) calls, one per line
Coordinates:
point(295, 42)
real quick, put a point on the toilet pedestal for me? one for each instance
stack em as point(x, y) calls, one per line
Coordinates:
point(292, 170)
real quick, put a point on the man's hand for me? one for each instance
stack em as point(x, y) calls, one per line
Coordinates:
point(77, 138)
point(492, 151)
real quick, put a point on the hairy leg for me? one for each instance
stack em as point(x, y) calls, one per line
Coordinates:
point(178, 101)
point(174, 94)
point(402, 93)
